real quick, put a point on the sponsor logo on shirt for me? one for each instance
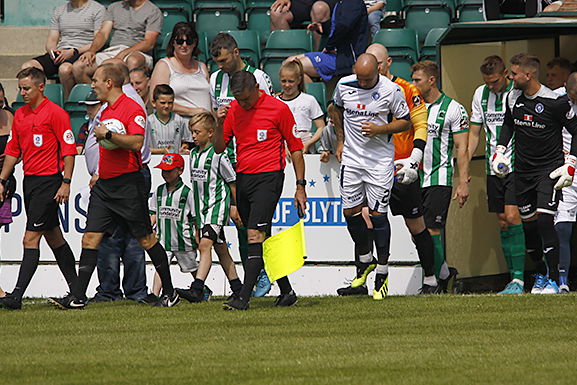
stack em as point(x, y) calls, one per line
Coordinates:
point(167, 212)
point(528, 117)
point(38, 140)
point(361, 111)
point(68, 137)
point(140, 120)
point(417, 100)
point(361, 107)
point(433, 130)
point(495, 118)
point(198, 174)
point(528, 123)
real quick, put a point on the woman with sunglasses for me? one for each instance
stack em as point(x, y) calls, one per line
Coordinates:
point(187, 76)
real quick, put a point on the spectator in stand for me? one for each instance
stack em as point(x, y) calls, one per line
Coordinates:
point(188, 77)
point(375, 9)
point(287, 14)
point(92, 108)
point(136, 25)
point(558, 71)
point(4, 101)
point(168, 131)
point(305, 108)
point(347, 39)
point(73, 27)
point(140, 80)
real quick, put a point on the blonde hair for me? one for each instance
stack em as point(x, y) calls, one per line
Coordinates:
point(205, 119)
point(296, 67)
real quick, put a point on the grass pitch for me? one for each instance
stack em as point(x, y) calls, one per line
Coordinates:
point(403, 340)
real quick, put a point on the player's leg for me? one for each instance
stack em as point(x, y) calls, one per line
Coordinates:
point(227, 263)
point(110, 251)
point(134, 280)
point(564, 221)
point(63, 255)
point(208, 238)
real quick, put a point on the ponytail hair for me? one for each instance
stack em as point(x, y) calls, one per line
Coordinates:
point(296, 67)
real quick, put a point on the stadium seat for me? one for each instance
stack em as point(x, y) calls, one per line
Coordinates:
point(429, 49)
point(248, 45)
point(54, 92)
point(394, 6)
point(424, 15)
point(319, 91)
point(401, 43)
point(401, 69)
point(77, 111)
point(215, 16)
point(469, 10)
point(175, 6)
point(257, 16)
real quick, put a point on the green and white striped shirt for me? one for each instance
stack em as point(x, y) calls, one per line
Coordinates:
point(174, 217)
point(446, 118)
point(210, 174)
point(488, 110)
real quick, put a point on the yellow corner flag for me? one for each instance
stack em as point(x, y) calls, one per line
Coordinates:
point(285, 252)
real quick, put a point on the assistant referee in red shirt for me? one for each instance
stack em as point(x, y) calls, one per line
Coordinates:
point(119, 197)
point(261, 125)
point(42, 136)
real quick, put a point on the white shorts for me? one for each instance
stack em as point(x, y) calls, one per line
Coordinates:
point(186, 260)
point(567, 208)
point(368, 187)
point(111, 52)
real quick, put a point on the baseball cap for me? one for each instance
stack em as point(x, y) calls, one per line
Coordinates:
point(170, 162)
point(90, 100)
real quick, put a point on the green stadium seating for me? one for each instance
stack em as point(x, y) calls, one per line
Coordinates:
point(424, 15)
point(215, 16)
point(77, 111)
point(429, 48)
point(401, 43)
point(469, 10)
point(401, 69)
point(175, 6)
point(170, 18)
point(257, 16)
point(54, 92)
point(248, 45)
point(319, 91)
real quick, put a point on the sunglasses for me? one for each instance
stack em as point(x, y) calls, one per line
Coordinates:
point(182, 41)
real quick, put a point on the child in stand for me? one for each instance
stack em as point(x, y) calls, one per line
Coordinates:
point(168, 131)
point(172, 210)
point(304, 107)
point(213, 185)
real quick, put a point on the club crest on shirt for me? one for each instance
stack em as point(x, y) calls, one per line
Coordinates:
point(38, 140)
point(417, 100)
point(539, 108)
point(375, 96)
point(68, 137)
point(261, 135)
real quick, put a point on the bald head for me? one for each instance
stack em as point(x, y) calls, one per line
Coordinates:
point(382, 54)
point(367, 71)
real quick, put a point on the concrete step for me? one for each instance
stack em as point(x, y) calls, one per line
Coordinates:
point(11, 64)
point(23, 40)
point(10, 88)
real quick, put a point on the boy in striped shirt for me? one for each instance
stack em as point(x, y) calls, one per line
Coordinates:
point(172, 209)
point(213, 182)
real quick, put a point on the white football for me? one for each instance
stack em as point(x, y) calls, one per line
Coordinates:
point(113, 125)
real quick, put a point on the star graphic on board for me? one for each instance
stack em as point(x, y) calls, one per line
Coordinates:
point(326, 178)
point(312, 183)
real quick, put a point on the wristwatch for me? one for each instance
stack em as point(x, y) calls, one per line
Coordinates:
point(301, 182)
point(66, 180)
point(108, 135)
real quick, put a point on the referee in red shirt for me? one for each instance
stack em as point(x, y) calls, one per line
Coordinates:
point(119, 196)
point(41, 135)
point(261, 125)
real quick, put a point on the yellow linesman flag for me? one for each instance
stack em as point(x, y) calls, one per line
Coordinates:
point(285, 252)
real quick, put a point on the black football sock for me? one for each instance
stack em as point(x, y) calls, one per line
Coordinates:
point(86, 267)
point(424, 246)
point(160, 260)
point(198, 284)
point(235, 285)
point(67, 264)
point(254, 264)
point(284, 285)
point(534, 245)
point(27, 269)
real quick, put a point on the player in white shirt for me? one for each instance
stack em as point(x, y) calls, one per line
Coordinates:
point(488, 113)
point(168, 131)
point(448, 125)
point(305, 107)
point(567, 210)
point(364, 104)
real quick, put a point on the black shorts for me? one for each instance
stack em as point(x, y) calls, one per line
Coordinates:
point(436, 201)
point(50, 68)
point(406, 200)
point(500, 192)
point(301, 10)
point(119, 201)
point(535, 193)
point(257, 196)
point(41, 208)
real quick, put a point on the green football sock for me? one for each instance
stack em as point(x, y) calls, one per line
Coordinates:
point(439, 253)
point(242, 233)
point(506, 246)
point(517, 249)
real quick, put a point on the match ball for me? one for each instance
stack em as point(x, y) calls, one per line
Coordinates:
point(113, 125)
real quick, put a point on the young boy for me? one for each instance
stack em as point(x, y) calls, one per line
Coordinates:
point(92, 107)
point(172, 209)
point(168, 131)
point(212, 177)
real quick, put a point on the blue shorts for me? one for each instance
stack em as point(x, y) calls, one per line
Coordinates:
point(324, 63)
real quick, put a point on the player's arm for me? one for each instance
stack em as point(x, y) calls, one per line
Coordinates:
point(336, 114)
point(298, 162)
point(461, 141)
point(224, 127)
point(568, 119)
point(320, 125)
point(501, 163)
point(474, 135)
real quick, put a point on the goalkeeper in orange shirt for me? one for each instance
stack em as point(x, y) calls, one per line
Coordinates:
point(406, 193)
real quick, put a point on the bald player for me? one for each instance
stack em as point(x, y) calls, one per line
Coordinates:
point(364, 104)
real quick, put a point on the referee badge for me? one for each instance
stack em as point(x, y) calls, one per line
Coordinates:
point(261, 135)
point(38, 140)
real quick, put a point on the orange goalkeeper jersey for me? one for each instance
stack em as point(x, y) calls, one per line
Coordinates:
point(404, 140)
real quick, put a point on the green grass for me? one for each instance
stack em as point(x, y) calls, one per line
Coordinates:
point(403, 340)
